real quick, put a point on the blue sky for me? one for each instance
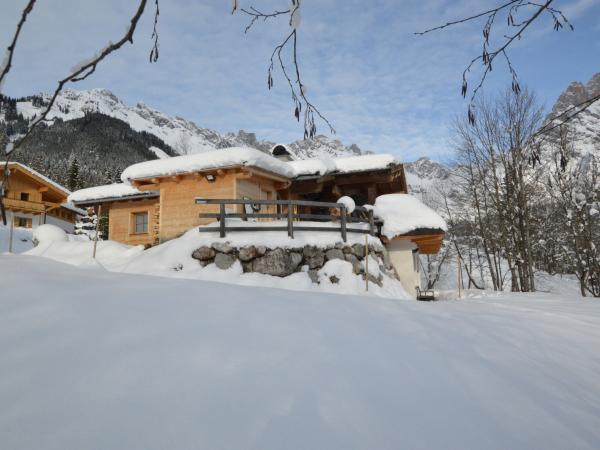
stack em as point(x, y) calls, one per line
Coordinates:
point(382, 87)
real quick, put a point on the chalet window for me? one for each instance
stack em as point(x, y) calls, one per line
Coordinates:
point(141, 222)
point(21, 222)
point(25, 196)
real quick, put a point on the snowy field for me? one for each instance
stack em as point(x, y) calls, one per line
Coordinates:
point(98, 360)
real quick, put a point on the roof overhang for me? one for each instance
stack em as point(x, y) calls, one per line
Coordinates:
point(427, 240)
point(97, 201)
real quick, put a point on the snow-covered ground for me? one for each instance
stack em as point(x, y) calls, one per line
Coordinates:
point(21, 239)
point(173, 259)
point(93, 359)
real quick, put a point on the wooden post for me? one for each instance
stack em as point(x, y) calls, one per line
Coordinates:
point(371, 222)
point(290, 220)
point(97, 230)
point(367, 262)
point(343, 222)
point(10, 234)
point(222, 220)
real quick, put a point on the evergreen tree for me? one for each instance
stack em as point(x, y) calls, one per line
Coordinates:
point(73, 182)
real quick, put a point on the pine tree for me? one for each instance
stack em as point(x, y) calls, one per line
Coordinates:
point(74, 181)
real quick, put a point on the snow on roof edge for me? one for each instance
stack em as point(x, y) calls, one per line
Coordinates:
point(39, 175)
point(215, 159)
point(405, 213)
point(108, 191)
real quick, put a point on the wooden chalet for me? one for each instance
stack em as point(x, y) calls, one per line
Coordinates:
point(32, 199)
point(157, 201)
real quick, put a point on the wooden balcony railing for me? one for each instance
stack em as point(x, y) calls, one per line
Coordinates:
point(24, 205)
point(287, 210)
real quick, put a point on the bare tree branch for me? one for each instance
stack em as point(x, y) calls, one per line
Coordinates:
point(302, 105)
point(154, 37)
point(78, 73)
point(7, 63)
point(511, 9)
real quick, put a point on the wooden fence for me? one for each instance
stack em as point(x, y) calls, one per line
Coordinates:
point(287, 210)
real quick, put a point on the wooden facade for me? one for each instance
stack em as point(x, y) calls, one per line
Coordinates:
point(32, 199)
point(177, 209)
point(171, 210)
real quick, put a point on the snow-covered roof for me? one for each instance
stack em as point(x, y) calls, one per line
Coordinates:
point(350, 164)
point(108, 191)
point(403, 213)
point(227, 157)
point(35, 173)
point(71, 207)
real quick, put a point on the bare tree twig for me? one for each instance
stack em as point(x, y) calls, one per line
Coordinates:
point(302, 105)
point(11, 48)
point(511, 9)
point(154, 37)
point(80, 72)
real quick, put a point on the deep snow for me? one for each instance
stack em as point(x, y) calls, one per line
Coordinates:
point(97, 360)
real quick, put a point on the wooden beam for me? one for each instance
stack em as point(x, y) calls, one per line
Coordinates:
point(43, 189)
point(148, 187)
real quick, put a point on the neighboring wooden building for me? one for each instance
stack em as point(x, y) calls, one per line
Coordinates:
point(32, 199)
point(133, 216)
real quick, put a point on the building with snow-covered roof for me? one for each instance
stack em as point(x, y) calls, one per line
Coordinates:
point(161, 199)
point(32, 199)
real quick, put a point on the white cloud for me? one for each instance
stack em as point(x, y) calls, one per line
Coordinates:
point(382, 87)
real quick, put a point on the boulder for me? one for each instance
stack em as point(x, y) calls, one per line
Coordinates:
point(224, 261)
point(222, 247)
point(314, 276)
point(356, 264)
point(278, 262)
point(204, 253)
point(248, 253)
point(334, 253)
point(313, 256)
point(358, 250)
point(261, 250)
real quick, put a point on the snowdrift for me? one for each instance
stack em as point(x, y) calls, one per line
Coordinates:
point(96, 360)
point(174, 259)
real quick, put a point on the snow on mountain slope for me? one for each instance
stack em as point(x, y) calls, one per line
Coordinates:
point(182, 135)
point(175, 131)
point(98, 360)
point(586, 125)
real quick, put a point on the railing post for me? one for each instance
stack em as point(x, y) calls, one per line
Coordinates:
point(343, 222)
point(371, 223)
point(290, 220)
point(222, 219)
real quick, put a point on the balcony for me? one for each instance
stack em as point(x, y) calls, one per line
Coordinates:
point(13, 204)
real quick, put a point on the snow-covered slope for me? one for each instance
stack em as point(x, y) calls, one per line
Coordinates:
point(586, 125)
point(97, 360)
point(184, 136)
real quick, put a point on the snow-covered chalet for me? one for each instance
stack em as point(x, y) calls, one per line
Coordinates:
point(160, 200)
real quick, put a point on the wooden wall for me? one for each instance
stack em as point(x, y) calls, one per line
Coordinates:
point(178, 210)
point(19, 182)
point(121, 227)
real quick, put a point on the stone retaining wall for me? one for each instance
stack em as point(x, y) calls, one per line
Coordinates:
point(282, 262)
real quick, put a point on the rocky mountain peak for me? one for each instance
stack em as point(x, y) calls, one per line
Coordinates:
point(593, 86)
point(575, 93)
